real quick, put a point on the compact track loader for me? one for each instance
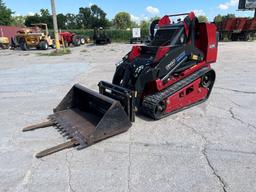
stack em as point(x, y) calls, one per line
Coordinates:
point(170, 74)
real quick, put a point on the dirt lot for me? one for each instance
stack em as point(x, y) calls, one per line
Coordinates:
point(208, 148)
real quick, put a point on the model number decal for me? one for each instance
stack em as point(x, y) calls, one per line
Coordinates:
point(174, 61)
point(181, 57)
point(169, 66)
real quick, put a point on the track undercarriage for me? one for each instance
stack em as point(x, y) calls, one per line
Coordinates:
point(186, 93)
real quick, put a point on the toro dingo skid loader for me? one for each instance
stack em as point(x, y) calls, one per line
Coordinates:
point(170, 74)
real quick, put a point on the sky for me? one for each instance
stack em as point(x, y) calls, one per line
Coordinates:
point(139, 9)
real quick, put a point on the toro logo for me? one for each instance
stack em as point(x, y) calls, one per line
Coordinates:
point(169, 66)
point(173, 62)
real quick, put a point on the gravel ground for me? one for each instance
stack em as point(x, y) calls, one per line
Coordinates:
point(211, 147)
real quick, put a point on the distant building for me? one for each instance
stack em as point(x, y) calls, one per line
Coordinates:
point(8, 31)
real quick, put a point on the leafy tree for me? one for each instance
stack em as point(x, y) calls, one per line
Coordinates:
point(122, 20)
point(91, 17)
point(202, 19)
point(154, 18)
point(43, 17)
point(99, 17)
point(5, 14)
point(97, 12)
point(144, 25)
point(88, 17)
point(71, 21)
point(84, 18)
point(62, 21)
point(218, 19)
point(18, 21)
point(46, 17)
point(33, 19)
point(44, 13)
point(230, 15)
point(134, 24)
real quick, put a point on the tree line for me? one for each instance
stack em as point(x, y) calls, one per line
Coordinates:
point(87, 18)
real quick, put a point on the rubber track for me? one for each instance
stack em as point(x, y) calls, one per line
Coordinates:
point(150, 102)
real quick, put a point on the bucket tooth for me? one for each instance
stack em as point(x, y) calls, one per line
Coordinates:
point(69, 137)
point(59, 127)
point(57, 148)
point(52, 119)
point(63, 132)
point(38, 126)
point(66, 134)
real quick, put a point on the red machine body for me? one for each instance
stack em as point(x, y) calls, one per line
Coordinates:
point(207, 43)
point(193, 92)
point(71, 38)
point(179, 53)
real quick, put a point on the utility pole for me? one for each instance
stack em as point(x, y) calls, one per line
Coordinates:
point(55, 25)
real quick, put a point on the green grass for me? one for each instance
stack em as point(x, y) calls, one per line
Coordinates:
point(60, 52)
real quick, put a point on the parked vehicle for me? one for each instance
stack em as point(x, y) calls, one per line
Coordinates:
point(71, 38)
point(35, 37)
point(100, 37)
point(235, 29)
point(4, 43)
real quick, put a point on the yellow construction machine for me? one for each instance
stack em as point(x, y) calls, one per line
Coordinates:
point(4, 41)
point(34, 37)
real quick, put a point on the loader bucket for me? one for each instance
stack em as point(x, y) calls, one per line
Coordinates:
point(85, 117)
